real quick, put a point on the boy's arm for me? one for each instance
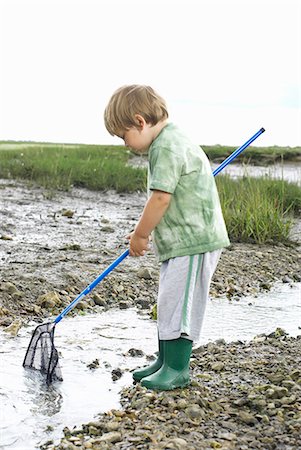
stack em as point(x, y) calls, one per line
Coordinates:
point(152, 213)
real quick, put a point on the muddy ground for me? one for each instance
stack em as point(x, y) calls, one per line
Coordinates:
point(243, 395)
point(53, 244)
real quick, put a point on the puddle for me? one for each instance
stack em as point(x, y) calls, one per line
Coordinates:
point(31, 414)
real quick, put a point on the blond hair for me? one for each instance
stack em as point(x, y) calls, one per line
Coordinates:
point(127, 102)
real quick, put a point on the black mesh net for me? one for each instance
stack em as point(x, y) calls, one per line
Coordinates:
point(42, 355)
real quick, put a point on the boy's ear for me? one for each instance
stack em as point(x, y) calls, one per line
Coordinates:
point(140, 121)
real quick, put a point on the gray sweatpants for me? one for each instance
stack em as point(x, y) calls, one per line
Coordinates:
point(183, 293)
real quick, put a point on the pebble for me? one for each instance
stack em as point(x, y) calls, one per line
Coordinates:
point(194, 411)
point(177, 444)
point(145, 273)
point(111, 436)
point(242, 410)
point(67, 213)
point(49, 300)
point(14, 327)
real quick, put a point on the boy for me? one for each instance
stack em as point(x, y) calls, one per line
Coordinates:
point(184, 214)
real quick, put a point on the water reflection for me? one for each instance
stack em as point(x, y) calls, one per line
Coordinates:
point(45, 400)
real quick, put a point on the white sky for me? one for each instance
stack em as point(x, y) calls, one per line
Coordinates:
point(225, 67)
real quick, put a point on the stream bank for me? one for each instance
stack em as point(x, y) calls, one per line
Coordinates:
point(243, 396)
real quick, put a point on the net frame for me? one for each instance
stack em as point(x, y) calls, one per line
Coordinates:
point(41, 354)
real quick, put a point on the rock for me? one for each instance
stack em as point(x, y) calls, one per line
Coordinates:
point(88, 444)
point(81, 305)
point(49, 300)
point(288, 400)
point(276, 377)
point(279, 332)
point(289, 384)
point(107, 229)
point(98, 300)
point(5, 322)
point(259, 339)
point(94, 364)
point(124, 305)
point(8, 287)
point(217, 366)
point(247, 418)
point(67, 213)
point(194, 411)
point(116, 374)
point(281, 391)
point(5, 237)
point(14, 327)
point(220, 341)
point(226, 436)
point(73, 247)
point(144, 303)
point(241, 402)
point(112, 426)
point(17, 295)
point(112, 437)
point(265, 285)
point(145, 273)
point(182, 403)
point(134, 352)
point(176, 443)
point(295, 374)
point(3, 311)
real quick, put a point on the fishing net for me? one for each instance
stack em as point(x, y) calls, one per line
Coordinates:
point(42, 355)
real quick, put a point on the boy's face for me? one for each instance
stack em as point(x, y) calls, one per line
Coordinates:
point(139, 140)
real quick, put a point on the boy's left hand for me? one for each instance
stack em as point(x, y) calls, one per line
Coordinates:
point(138, 244)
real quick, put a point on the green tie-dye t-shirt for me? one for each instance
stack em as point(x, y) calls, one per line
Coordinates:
point(193, 222)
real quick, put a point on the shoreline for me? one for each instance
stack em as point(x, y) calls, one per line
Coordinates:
point(242, 396)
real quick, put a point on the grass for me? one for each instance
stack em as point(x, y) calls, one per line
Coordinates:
point(254, 154)
point(61, 166)
point(258, 210)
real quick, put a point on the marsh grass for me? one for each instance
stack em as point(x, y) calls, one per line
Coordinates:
point(258, 210)
point(63, 166)
point(252, 154)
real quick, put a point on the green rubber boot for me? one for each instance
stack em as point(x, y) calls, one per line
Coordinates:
point(174, 371)
point(149, 370)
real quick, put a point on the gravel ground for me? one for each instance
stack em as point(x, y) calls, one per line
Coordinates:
point(242, 396)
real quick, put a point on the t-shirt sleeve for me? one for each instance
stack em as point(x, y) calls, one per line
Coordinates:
point(165, 170)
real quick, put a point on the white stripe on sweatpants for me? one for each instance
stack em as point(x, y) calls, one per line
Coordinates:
point(183, 293)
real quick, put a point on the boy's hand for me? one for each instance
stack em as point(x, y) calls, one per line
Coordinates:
point(138, 244)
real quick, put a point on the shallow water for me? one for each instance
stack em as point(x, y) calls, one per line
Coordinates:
point(32, 414)
point(287, 171)
point(29, 407)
